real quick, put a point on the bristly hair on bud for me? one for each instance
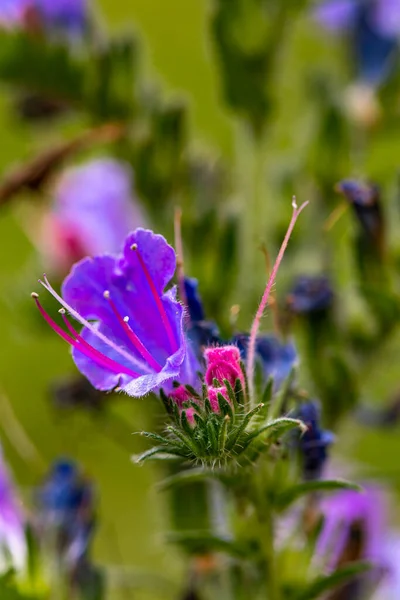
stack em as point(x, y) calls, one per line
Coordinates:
point(216, 429)
point(264, 301)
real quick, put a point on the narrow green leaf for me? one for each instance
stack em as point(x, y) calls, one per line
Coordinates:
point(200, 541)
point(225, 407)
point(277, 428)
point(189, 476)
point(223, 434)
point(237, 432)
point(170, 451)
point(322, 584)
point(286, 498)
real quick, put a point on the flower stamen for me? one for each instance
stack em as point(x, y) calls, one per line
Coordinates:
point(133, 338)
point(128, 356)
point(80, 344)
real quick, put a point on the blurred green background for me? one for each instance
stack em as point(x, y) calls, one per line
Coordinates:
point(132, 514)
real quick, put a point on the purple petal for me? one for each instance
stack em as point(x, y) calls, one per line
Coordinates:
point(387, 17)
point(336, 15)
point(345, 508)
point(95, 200)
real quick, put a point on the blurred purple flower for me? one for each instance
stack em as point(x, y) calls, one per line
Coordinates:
point(12, 534)
point(276, 357)
point(366, 202)
point(310, 293)
point(66, 509)
point(93, 211)
point(355, 527)
point(133, 333)
point(373, 27)
point(69, 16)
point(314, 443)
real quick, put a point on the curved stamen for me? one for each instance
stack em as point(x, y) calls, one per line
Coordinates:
point(46, 284)
point(100, 356)
point(160, 306)
point(86, 348)
point(132, 335)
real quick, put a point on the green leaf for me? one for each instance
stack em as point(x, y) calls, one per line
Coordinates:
point(168, 452)
point(286, 498)
point(237, 431)
point(276, 428)
point(189, 476)
point(322, 584)
point(202, 541)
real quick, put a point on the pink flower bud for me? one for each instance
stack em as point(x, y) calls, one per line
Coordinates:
point(180, 395)
point(213, 397)
point(223, 363)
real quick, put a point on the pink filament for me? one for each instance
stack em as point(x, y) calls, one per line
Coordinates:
point(264, 300)
point(89, 326)
point(161, 309)
point(84, 348)
point(133, 337)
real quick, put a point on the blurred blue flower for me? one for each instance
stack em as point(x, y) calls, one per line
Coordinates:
point(193, 300)
point(310, 293)
point(315, 442)
point(365, 200)
point(133, 331)
point(93, 211)
point(66, 509)
point(201, 332)
point(12, 529)
point(276, 358)
point(373, 27)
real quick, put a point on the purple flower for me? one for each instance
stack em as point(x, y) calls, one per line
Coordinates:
point(365, 200)
point(66, 506)
point(315, 442)
point(133, 333)
point(12, 535)
point(355, 528)
point(310, 294)
point(93, 210)
point(276, 357)
point(372, 27)
point(201, 331)
point(69, 16)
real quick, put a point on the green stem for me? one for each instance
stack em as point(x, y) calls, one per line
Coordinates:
point(266, 533)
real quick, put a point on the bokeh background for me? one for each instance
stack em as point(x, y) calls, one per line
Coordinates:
point(178, 54)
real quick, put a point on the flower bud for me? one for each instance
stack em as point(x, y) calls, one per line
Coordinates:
point(223, 363)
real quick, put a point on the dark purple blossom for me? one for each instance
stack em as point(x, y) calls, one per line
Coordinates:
point(372, 26)
point(133, 331)
point(12, 534)
point(275, 356)
point(310, 293)
point(365, 200)
point(93, 210)
point(315, 442)
point(193, 300)
point(201, 331)
point(66, 510)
